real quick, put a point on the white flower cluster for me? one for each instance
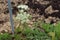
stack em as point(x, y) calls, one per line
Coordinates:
point(25, 7)
point(22, 16)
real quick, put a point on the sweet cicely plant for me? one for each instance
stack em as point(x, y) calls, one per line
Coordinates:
point(23, 17)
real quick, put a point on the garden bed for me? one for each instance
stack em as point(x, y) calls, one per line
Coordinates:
point(46, 11)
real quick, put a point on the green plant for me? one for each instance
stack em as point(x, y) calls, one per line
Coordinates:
point(57, 29)
point(23, 17)
point(5, 36)
point(31, 34)
point(48, 27)
point(17, 37)
point(53, 31)
point(35, 34)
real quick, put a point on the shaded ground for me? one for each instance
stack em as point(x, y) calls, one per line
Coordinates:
point(46, 10)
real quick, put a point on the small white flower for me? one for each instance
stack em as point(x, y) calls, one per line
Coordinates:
point(23, 7)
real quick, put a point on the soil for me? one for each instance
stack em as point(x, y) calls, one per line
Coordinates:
point(46, 10)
